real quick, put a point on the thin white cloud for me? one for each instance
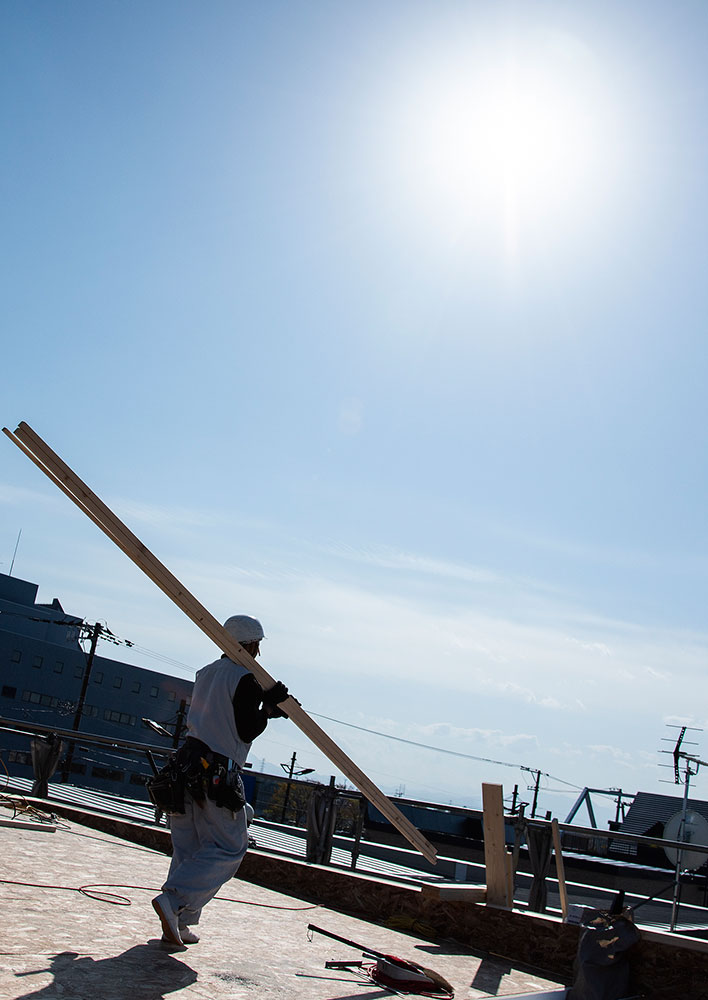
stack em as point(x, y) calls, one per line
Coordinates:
point(134, 512)
point(20, 496)
point(476, 737)
point(383, 557)
point(357, 628)
point(594, 554)
point(601, 648)
point(364, 624)
point(350, 419)
point(617, 754)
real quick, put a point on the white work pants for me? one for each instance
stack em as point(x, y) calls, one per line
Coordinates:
point(208, 843)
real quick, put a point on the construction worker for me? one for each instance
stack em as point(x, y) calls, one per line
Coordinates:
point(229, 709)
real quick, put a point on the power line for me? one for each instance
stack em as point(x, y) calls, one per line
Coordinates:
point(157, 656)
point(72, 622)
point(398, 739)
point(451, 753)
point(107, 635)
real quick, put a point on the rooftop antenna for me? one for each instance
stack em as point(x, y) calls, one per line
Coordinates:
point(691, 765)
point(15, 552)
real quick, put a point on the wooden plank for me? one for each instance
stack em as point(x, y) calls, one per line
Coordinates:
point(103, 517)
point(19, 824)
point(495, 853)
point(560, 868)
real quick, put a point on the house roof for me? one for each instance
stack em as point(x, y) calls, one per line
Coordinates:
point(649, 810)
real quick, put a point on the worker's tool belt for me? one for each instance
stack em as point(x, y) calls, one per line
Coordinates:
point(166, 788)
point(201, 772)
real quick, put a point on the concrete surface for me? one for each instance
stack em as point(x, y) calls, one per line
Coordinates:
point(62, 944)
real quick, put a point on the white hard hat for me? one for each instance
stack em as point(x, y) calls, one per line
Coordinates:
point(244, 628)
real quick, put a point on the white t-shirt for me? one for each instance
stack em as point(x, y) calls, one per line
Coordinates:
point(211, 714)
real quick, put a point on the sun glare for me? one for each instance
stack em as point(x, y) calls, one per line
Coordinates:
point(510, 143)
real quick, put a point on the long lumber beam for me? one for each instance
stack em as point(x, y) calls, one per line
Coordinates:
point(39, 452)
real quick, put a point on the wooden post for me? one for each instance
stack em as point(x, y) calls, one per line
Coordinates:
point(103, 517)
point(560, 868)
point(495, 853)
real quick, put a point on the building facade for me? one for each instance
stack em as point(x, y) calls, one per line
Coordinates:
point(43, 667)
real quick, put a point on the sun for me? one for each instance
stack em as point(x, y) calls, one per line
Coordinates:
point(511, 142)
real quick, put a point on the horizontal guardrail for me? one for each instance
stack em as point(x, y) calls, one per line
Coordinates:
point(590, 833)
point(35, 729)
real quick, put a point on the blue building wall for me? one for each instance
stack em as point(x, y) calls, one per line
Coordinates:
point(42, 666)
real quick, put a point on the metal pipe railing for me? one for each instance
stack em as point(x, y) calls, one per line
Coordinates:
point(636, 838)
point(35, 729)
point(32, 728)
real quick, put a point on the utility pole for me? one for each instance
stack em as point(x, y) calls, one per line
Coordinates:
point(179, 724)
point(620, 807)
point(287, 786)
point(97, 629)
point(535, 792)
point(290, 771)
point(513, 800)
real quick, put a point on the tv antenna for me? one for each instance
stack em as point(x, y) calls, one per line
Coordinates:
point(14, 554)
point(685, 825)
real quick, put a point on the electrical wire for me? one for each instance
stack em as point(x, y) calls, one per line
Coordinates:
point(106, 635)
point(158, 656)
point(451, 753)
point(21, 807)
point(94, 890)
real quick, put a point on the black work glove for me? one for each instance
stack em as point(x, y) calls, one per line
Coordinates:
point(272, 698)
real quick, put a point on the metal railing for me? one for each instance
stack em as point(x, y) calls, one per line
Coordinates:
point(390, 860)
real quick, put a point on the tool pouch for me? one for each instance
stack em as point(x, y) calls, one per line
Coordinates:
point(226, 788)
point(203, 774)
point(166, 789)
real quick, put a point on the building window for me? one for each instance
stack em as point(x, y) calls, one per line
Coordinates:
point(153, 692)
point(78, 671)
point(19, 757)
point(117, 682)
point(111, 715)
point(58, 667)
point(8, 692)
point(107, 772)
point(34, 697)
point(136, 687)
point(171, 695)
point(37, 661)
point(138, 779)
point(16, 656)
point(98, 677)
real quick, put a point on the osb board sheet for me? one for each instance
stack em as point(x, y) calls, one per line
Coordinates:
point(60, 944)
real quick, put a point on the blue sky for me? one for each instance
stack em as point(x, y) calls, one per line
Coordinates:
point(386, 323)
